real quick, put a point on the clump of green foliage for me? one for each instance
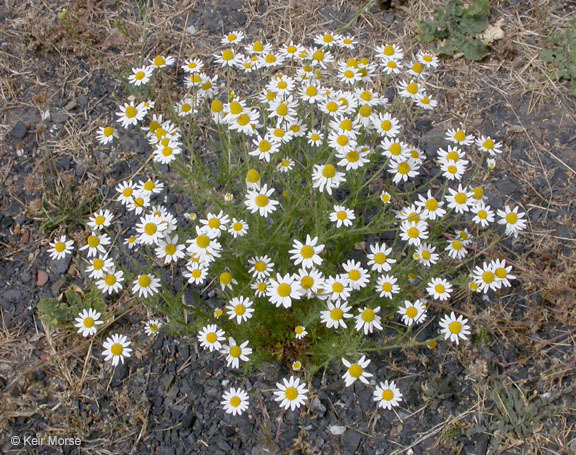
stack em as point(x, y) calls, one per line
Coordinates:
point(562, 55)
point(61, 311)
point(458, 28)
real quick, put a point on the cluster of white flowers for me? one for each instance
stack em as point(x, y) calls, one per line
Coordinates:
point(324, 100)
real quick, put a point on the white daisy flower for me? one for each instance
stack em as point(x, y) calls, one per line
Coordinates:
point(342, 216)
point(116, 349)
point(152, 327)
point(61, 247)
point(356, 371)
point(258, 200)
point(439, 289)
point(387, 395)
point(291, 393)
point(235, 401)
point(386, 286)
point(412, 313)
point(454, 328)
point(283, 289)
point(367, 320)
point(87, 322)
point(335, 315)
point(240, 308)
point(146, 285)
point(234, 353)
point(326, 177)
point(306, 253)
point(210, 337)
point(300, 332)
point(513, 219)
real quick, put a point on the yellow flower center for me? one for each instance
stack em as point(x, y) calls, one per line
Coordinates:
point(426, 255)
point(488, 144)
point(235, 351)
point(342, 215)
point(307, 251)
point(235, 402)
point(89, 323)
point(239, 309)
point(262, 287)
point(237, 227)
point(332, 106)
point(258, 46)
point(116, 349)
point(261, 200)
point(460, 198)
point(260, 266)
point(337, 287)
point(411, 312)
point(387, 395)
point(336, 314)
point(412, 88)
point(440, 289)
point(203, 241)
point(501, 273)
point(355, 371)
point(108, 131)
point(291, 393)
point(511, 218)
point(253, 176)
point(488, 277)
point(417, 67)
point(380, 258)
point(455, 327)
point(365, 110)
point(225, 278)
point(307, 282)
point(227, 55)
point(354, 275)
point(216, 106)
point(329, 171)
point(318, 56)
point(60, 247)
point(386, 125)
point(368, 315)
point(387, 287)
point(311, 91)
point(93, 241)
point(214, 223)
point(170, 249)
point(211, 338)
point(413, 232)
point(431, 205)
point(131, 112)
point(140, 75)
point(150, 228)
point(144, 281)
point(403, 168)
point(197, 273)
point(389, 50)
point(284, 290)
point(478, 192)
point(460, 136)
point(98, 264)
